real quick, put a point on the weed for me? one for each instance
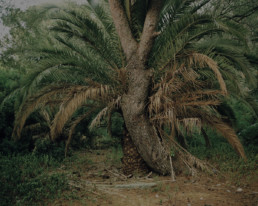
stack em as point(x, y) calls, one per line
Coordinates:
point(115, 155)
point(158, 188)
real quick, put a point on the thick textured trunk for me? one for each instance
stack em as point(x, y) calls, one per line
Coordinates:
point(143, 134)
point(132, 160)
point(133, 104)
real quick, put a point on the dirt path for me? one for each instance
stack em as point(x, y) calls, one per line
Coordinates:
point(97, 180)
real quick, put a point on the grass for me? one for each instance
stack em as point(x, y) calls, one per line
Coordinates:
point(43, 176)
point(29, 180)
point(224, 158)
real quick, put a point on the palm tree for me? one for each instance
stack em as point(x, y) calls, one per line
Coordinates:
point(155, 63)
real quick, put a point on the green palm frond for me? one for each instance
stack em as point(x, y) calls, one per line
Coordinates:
point(84, 24)
point(179, 36)
point(174, 10)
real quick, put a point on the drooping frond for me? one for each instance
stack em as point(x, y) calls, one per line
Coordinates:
point(202, 61)
point(80, 96)
point(31, 104)
point(104, 112)
point(229, 134)
point(96, 121)
point(229, 55)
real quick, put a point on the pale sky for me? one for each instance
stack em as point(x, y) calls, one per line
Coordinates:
point(24, 4)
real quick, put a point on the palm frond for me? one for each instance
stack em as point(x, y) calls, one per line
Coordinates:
point(229, 134)
point(105, 112)
point(203, 60)
point(80, 96)
point(31, 104)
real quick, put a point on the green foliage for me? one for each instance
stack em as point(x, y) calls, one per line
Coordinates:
point(222, 156)
point(117, 127)
point(9, 80)
point(52, 149)
point(67, 49)
point(11, 147)
point(102, 140)
point(25, 180)
point(6, 120)
point(250, 136)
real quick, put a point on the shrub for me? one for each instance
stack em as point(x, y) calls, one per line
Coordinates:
point(45, 146)
point(250, 136)
point(25, 180)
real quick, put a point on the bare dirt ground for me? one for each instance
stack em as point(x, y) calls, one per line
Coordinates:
point(95, 178)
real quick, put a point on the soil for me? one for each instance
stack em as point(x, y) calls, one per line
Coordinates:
point(96, 178)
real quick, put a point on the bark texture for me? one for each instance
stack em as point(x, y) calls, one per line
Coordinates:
point(132, 160)
point(142, 132)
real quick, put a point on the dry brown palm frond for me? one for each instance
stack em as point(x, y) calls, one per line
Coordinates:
point(73, 126)
point(229, 133)
point(97, 120)
point(155, 102)
point(160, 105)
point(191, 125)
point(104, 112)
point(77, 100)
point(189, 74)
point(46, 116)
point(190, 161)
point(200, 103)
point(202, 61)
point(31, 104)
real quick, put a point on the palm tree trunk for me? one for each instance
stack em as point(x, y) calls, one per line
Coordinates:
point(132, 160)
point(143, 134)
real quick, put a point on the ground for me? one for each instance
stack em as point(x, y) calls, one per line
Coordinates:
point(95, 178)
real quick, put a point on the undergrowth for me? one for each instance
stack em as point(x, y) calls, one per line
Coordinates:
point(28, 178)
point(224, 158)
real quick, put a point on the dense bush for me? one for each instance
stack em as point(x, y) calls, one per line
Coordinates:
point(250, 136)
point(25, 180)
point(55, 150)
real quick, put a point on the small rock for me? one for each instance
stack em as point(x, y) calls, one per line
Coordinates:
point(201, 198)
point(228, 191)
point(218, 185)
point(156, 195)
point(239, 189)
